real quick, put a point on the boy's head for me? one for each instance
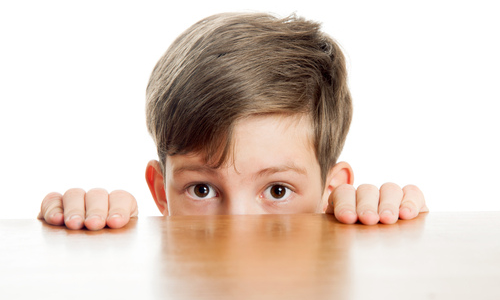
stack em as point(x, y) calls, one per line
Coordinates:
point(232, 67)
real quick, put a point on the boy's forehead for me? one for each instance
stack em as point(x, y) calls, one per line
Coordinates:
point(260, 142)
point(293, 124)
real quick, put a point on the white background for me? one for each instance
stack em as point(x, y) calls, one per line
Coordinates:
point(424, 76)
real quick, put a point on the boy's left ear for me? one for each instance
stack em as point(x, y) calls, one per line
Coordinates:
point(154, 178)
point(339, 174)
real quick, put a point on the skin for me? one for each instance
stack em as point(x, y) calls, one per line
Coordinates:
point(271, 153)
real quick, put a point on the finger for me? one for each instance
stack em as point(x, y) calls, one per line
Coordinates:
point(52, 209)
point(96, 209)
point(342, 203)
point(413, 203)
point(391, 196)
point(367, 199)
point(74, 208)
point(122, 206)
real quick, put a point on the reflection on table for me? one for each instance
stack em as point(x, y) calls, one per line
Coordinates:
point(436, 256)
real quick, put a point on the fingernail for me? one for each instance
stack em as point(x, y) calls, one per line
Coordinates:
point(56, 215)
point(73, 217)
point(95, 217)
point(367, 212)
point(115, 216)
point(345, 212)
point(387, 212)
point(405, 210)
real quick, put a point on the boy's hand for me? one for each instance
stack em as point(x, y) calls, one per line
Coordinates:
point(93, 209)
point(370, 206)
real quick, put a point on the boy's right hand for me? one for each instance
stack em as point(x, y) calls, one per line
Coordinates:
point(93, 209)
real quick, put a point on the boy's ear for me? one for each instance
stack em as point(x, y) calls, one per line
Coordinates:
point(339, 174)
point(154, 178)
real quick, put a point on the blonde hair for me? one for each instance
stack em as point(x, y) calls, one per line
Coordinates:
point(233, 65)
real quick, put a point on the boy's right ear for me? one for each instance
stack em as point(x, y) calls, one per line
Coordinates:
point(154, 178)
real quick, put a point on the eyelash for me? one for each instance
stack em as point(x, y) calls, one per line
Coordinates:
point(190, 190)
point(288, 192)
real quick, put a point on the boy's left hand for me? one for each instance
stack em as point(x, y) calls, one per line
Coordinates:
point(371, 206)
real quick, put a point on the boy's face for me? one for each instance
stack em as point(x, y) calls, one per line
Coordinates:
point(274, 170)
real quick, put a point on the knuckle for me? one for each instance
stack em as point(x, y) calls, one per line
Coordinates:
point(391, 192)
point(51, 199)
point(121, 196)
point(96, 212)
point(120, 193)
point(345, 187)
point(97, 190)
point(370, 188)
point(74, 192)
point(412, 194)
point(73, 202)
point(73, 212)
point(51, 196)
point(119, 210)
point(367, 207)
point(389, 205)
point(50, 203)
point(122, 200)
point(412, 189)
point(340, 208)
point(390, 186)
point(50, 206)
point(409, 204)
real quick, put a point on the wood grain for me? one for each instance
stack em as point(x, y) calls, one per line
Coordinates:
point(436, 256)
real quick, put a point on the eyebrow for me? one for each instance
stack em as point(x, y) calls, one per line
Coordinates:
point(264, 172)
point(195, 168)
point(282, 168)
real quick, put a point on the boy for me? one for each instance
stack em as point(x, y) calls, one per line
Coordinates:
point(249, 114)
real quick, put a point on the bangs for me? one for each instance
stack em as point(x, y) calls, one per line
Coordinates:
point(231, 66)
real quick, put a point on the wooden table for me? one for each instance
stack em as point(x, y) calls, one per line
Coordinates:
point(436, 256)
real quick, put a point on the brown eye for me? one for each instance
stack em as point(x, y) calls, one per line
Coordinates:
point(201, 191)
point(277, 192)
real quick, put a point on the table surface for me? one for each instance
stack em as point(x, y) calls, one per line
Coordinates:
point(435, 256)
